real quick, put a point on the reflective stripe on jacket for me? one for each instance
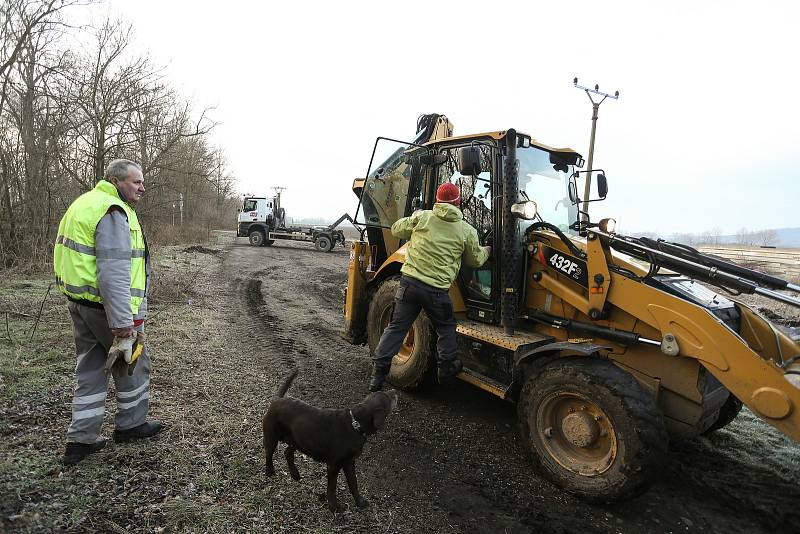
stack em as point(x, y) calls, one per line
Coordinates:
point(74, 257)
point(438, 239)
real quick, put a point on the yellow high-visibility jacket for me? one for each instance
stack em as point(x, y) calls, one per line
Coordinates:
point(74, 257)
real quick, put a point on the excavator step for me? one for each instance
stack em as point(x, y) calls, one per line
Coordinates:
point(497, 336)
point(484, 382)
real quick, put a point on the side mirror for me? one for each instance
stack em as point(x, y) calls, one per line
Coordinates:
point(602, 185)
point(600, 180)
point(469, 161)
point(525, 210)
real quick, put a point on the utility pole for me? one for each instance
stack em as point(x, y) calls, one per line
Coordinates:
point(595, 106)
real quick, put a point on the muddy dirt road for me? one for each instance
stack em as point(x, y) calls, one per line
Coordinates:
point(226, 324)
point(450, 459)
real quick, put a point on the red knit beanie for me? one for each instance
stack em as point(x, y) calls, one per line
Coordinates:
point(448, 193)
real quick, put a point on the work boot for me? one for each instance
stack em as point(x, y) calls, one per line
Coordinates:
point(75, 452)
point(448, 369)
point(378, 378)
point(145, 430)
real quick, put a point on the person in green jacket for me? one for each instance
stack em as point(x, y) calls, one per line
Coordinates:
point(438, 239)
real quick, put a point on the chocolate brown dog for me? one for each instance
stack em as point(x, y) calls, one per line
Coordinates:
point(335, 437)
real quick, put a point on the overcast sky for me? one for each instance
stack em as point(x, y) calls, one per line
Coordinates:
point(705, 132)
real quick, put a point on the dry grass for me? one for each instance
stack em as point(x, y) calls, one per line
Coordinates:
point(203, 473)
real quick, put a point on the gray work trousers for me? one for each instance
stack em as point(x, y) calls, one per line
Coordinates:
point(413, 296)
point(93, 339)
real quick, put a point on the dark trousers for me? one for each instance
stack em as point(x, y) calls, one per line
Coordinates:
point(411, 297)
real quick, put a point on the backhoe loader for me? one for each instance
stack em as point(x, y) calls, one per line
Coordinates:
point(610, 346)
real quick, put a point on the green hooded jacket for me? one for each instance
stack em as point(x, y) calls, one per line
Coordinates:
point(438, 239)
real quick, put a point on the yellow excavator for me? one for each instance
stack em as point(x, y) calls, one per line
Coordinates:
point(609, 345)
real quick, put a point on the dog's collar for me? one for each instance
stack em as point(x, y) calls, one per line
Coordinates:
point(356, 424)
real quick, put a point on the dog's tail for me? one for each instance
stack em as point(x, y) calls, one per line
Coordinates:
point(286, 384)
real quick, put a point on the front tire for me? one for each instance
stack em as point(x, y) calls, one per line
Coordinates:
point(414, 365)
point(592, 429)
point(257, 238)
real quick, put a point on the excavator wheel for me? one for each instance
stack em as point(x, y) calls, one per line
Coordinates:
point(592, 429)
point(414, 366)
point(257, 238)
point(727, 413)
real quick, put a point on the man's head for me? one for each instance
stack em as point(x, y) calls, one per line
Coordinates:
point(126, 176)
point(449, 194)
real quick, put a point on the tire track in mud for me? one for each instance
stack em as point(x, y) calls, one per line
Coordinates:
point(278, 340)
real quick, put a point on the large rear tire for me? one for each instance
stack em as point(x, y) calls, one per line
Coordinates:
point(323, 243)
point(414, 366)
point(592, 429)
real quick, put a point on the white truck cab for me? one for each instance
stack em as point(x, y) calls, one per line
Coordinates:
point(256, 209)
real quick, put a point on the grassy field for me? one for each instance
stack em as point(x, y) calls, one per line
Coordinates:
point(203, 473)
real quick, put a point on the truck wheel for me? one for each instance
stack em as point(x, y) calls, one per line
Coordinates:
point(727, 413)
point(592, 429)
point(257, 238)
point(323, 243)
point(414, 365)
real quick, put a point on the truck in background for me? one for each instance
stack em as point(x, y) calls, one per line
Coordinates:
point(263, 221)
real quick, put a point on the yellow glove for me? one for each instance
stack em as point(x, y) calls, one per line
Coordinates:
point(137, 349)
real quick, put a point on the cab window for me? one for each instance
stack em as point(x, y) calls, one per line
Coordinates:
point(476, 206)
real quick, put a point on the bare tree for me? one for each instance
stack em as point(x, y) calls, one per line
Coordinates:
point(744, 237)
point(27, 29)
point(765, 238)
point(64, 113)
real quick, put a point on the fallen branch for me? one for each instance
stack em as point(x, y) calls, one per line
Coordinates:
point(8, 330)
point(40, 310)
point(7, 312)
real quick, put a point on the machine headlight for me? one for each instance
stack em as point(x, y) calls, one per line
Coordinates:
point(607, 225)
point(525, 210)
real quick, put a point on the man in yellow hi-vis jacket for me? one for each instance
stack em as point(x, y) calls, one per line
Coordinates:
point(102, 265)
point(438, 240)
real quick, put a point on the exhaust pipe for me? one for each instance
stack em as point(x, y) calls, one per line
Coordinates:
point(511, 247)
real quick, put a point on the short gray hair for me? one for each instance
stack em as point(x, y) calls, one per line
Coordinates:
point(118, 168)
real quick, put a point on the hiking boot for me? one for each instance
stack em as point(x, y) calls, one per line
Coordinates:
point(379, 375)
point(145, 430)
point(449, 369)
point(75, 452)
point(376, 383)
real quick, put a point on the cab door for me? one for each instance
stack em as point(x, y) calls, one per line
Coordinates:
point(479, 286)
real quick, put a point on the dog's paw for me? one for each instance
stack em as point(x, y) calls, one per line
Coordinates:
point(295, 474)
point(362, 503)
point(334, 506)
point(269, 471)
